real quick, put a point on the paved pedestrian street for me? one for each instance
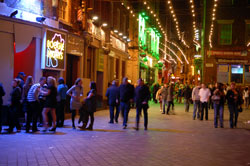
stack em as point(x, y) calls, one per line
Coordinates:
point(171, 140)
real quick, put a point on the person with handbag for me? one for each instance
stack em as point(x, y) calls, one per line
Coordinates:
point(232, 101)
point(218, 100)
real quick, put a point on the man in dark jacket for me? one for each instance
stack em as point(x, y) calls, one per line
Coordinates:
point(113, 100)
point(126, 96)
point(142, 95)
point(2, 93)
point(187, 97)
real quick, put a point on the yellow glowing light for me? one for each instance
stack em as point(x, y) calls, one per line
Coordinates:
point(128, 7)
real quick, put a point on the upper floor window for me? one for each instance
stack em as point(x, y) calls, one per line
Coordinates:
point(225, 32)
point(64, 10)
point(227, 2)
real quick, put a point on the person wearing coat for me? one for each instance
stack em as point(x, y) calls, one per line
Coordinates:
point(113, 100)
point(142, 96)
point(170, 97)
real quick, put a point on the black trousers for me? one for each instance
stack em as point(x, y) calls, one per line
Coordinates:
point(32, 113)
point(92, 119)
point(204, 105)
point(60, 113)
point(169, 104)
point(14, 118)
point(1, 117)
point(138, 114)
point(114, 114)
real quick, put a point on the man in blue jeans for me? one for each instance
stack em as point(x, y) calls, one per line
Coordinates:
point(126, 96)
point(196, 101)
point(113, 100)
point(142, 95)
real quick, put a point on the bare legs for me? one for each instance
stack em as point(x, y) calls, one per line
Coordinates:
point(45, 117)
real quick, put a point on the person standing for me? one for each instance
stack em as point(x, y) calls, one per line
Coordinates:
point(2, 93)
point(164, 95)
point(204, 94)
point(75, 92)
point(90, 101)
point(142, 96)
point(196, 101)
point(34, 105)
point(21, 76)
point(26, 87)
point(62, 89)
point(187, 97)
point(15, 98)
point(42, 99)
point(246, 97)
point(170, 97)
point(232, 97)
point(112, 94)
point(159, 97)
point(126, 96)
point(218, 99)
point(50, 103)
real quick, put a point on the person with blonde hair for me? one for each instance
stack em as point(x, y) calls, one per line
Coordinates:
point(50, 103)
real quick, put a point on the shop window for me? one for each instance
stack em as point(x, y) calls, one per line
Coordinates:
point(225, 35)
point(64, 10)
point(237, 73)
point(247, 74)
point(247, 33)
point(222, 73)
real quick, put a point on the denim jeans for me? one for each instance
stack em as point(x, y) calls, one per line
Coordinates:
point(196, 106)
point(145, 113)
point(218, 112)
point(233, 117)
point(204, 105)
point(169, 104)
point(164, 103)
point(125, 110)
point(114, 114)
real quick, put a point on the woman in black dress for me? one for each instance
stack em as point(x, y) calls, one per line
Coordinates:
point(50, 103)
point(90, 101)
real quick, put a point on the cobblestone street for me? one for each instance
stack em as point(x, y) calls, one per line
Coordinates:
point(171, 140)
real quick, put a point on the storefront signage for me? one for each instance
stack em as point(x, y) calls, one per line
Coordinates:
point(54, 51)
point(232, 61)
point(75, 45)
point(97, 32)
point(118, 44)
point(209, 65)
point(225, 53)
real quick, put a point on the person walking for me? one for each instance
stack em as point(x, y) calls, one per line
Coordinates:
point(204, 94)
point(90, 101)
point(187, 97)
point(164, 95)
point(112, 94)
point(232, 97)
point(159, 97)
point(246, 97)
point(196, 101)
point(2, 93)
point(76, 93)
point(170, 97)
point(142, 96)
point(62, 89)
point(50, 103)
point(34, 105)
point(15, 98)
point(218, 100)
point(26, 87)
point(126, 96)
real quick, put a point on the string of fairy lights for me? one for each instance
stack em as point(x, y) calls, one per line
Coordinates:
point(172, 12)
point(195, 29)
point(212, 23)
point(170, 57)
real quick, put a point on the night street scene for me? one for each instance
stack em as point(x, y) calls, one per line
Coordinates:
point(124, 82)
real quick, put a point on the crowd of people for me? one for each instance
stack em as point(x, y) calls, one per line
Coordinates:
point(43, 103)
point(205, 98)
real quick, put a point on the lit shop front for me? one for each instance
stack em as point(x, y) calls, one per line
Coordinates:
point(149, 39)
point(228, 66)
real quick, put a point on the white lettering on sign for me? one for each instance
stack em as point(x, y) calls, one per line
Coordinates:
point(118, 44)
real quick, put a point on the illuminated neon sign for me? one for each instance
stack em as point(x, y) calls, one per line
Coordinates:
point(54, 57)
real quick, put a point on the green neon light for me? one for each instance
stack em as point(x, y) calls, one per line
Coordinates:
point(149, 37)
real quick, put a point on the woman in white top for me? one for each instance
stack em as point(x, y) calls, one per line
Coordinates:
point(246, 96)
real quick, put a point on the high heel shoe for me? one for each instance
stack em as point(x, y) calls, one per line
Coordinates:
point(53, 129)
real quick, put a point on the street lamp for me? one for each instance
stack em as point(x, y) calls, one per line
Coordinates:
point(95, 18)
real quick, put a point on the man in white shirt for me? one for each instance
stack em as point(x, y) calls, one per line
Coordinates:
point(196, 101)
point(204, 94)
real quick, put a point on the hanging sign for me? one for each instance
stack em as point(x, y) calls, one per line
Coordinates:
point(54, 51)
